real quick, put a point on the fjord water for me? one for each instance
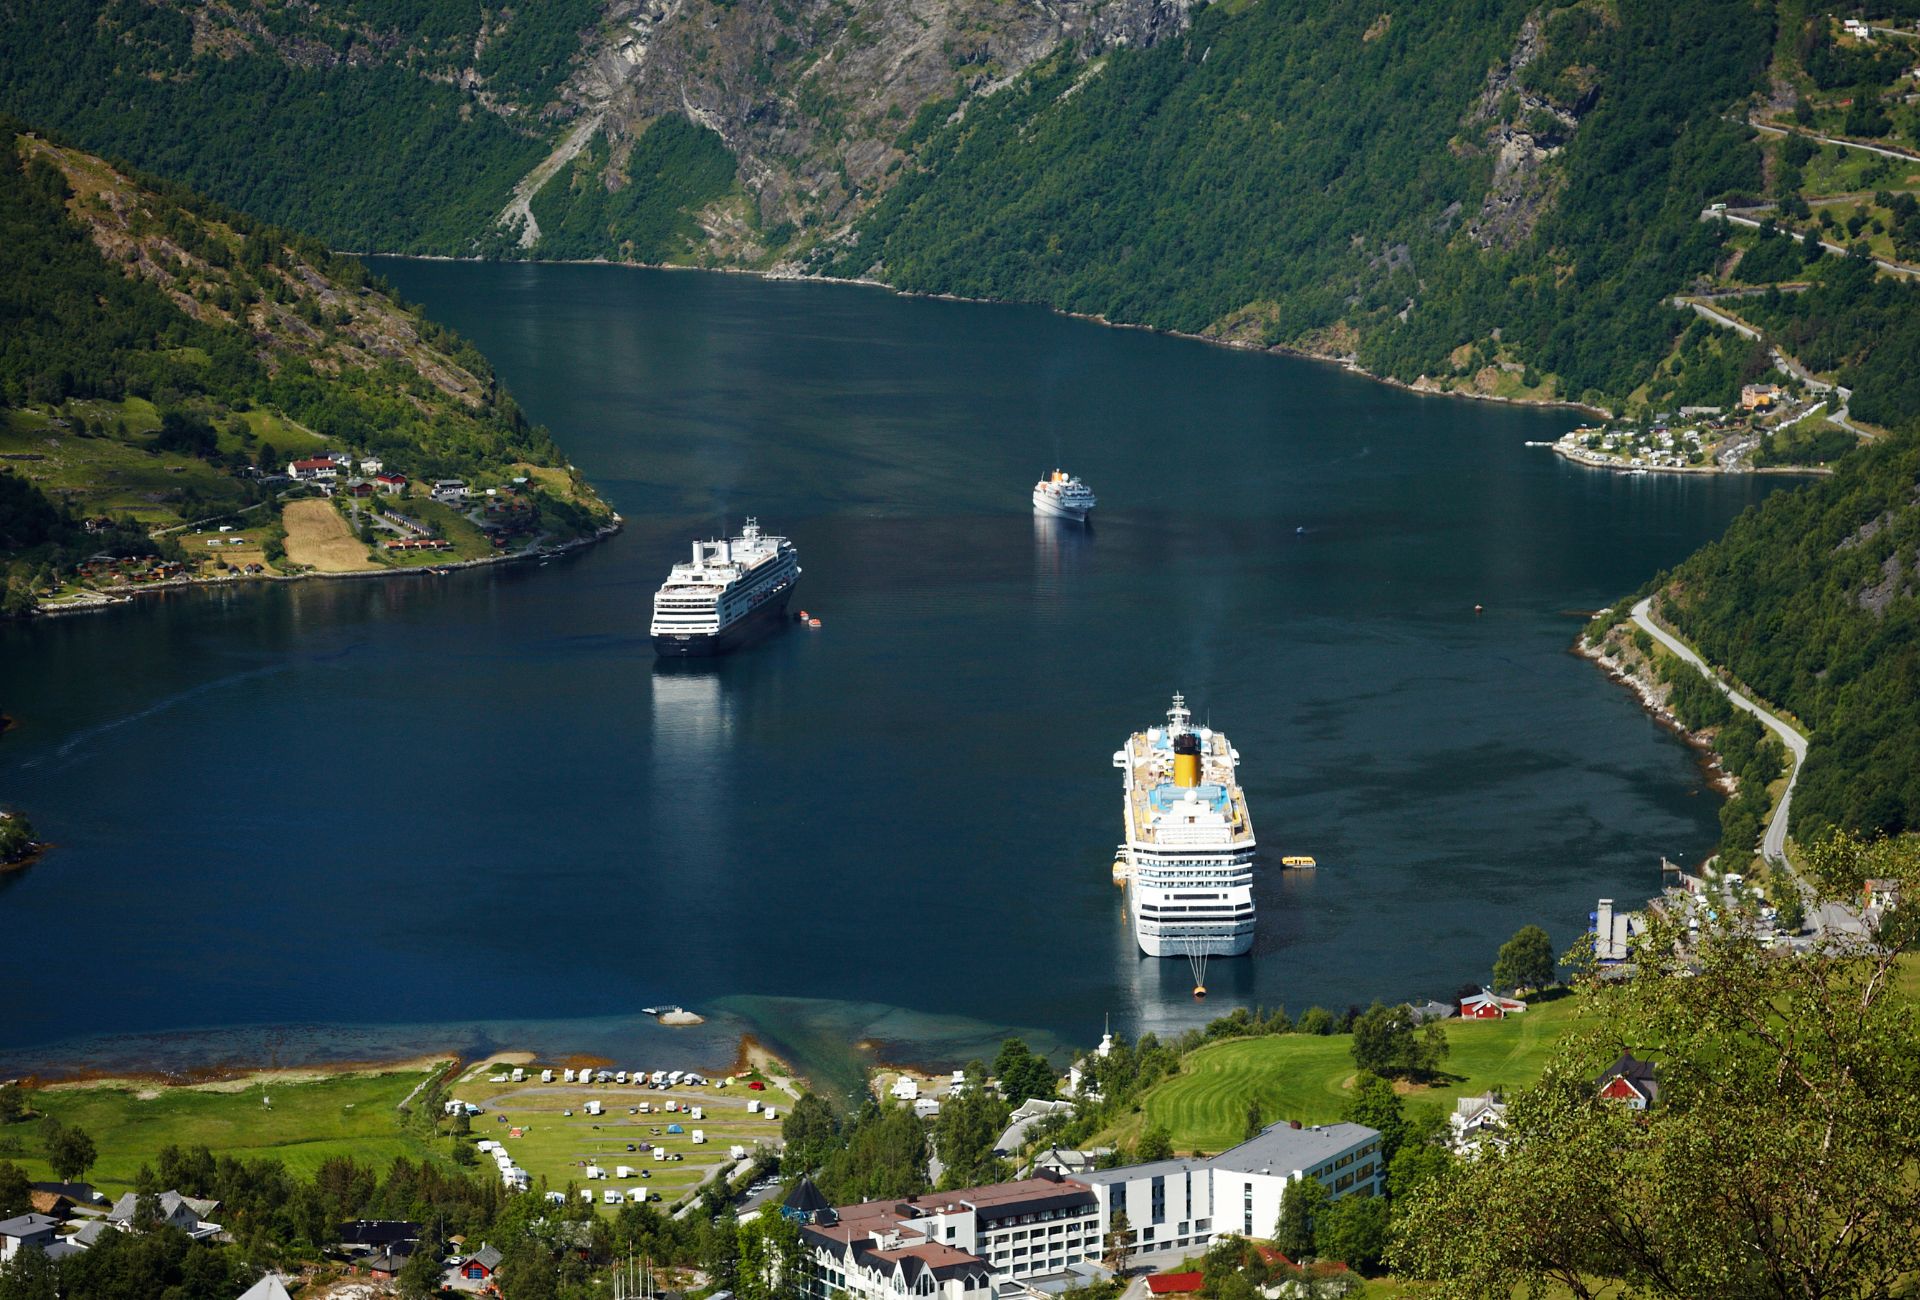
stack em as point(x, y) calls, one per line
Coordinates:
point(358, 816)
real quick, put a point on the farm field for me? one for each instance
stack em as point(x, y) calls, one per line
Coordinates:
point(348, 1114)
point(317, 535)
point(555, 1148)
point(1305, 1076)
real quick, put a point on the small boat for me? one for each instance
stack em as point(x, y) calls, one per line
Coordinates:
point(1298, 860)
point(813, 622)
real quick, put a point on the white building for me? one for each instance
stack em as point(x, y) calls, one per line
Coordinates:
point(1183, 1205)
point(1049, 1231)
point(1477, 1122)
point(452, 490)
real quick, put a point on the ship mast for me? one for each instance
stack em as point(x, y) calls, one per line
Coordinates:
point(1179, 715)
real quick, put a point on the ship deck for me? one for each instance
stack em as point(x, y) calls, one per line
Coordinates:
point(1160, 812)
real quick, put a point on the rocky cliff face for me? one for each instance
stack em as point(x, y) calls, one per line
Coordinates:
point(814, 97)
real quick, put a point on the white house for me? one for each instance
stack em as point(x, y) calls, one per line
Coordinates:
point(26, 1231)
point(452, 491)
point(316, 469)
point(372, 465)
point(904, 1088)
point(187, 1213)
point(1477, 1122)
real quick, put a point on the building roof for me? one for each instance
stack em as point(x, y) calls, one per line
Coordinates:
point(1152, 1169)
point(81, 1193)
point(27, 1225)
point(486, 1257)
point(1282, 1148)
point(269, 1287)
point(90, 1231)
point(171, 1203)
point(1176, 1283)
point(314, 462)
point(805, 1198)
point(1641, 1074)
point(378, 1232)
point(60, 1249)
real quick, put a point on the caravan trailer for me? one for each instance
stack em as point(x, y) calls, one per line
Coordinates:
point(621, 1077)
point(699, 1135)
point(623, 1171)
point(696, 1112)
point(567, 1077)
point(593, 1108)
point(519, 1075)
point(546, 1076)
point(659, 1153)
point(753, 1107)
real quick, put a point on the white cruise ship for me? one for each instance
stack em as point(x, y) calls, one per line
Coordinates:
point(732, 590)
point(1063, 496)
point(1189, 848)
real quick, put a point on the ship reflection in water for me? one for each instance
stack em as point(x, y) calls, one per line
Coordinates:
point(1062, 552)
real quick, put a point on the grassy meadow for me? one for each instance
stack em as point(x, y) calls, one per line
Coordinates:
point(348, 1114)
point(1306, 1076)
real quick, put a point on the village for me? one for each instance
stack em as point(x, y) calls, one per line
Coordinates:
point(1701, 439)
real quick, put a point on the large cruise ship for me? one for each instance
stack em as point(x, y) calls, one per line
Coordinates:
point(1189, 849)
point(1063, 496)
point(732, 590)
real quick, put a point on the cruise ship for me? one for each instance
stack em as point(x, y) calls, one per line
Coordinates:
point(1063, 496)
point(1188, 856)
point(732, 590)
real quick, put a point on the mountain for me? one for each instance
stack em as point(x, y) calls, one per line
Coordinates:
point(163, 359)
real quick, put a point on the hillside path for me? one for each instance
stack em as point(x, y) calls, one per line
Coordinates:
point(1773, 846)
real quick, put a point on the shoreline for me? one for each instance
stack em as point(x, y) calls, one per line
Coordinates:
point(1345, 362)
point(1653, 703)
point(1590, 461)
point(237, 1075)
point(103, 601)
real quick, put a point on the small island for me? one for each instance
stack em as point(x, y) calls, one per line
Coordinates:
point(18, 848)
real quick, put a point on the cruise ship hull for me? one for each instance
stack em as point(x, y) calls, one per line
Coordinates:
point(1174, 944)
point(749, 627)
point(1052, 509)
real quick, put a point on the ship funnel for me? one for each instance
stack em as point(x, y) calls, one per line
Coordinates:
point(699, 554)
point(1186, 760)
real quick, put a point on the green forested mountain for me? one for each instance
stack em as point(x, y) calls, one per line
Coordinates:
point(1813, 599)
point(1415, 181)
point(160, 355)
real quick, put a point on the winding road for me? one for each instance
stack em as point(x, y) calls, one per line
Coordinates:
point(1773, 846)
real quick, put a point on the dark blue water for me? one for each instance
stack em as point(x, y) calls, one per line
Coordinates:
point(473, 807)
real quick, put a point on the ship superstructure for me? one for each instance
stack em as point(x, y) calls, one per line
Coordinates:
point(1063, 496)
point(1189, 846)
point(732, 590)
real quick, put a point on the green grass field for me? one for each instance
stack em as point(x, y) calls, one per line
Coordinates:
point(103, 475)
point(351, 1115)
point(557, 1147)
point(1306, 1076)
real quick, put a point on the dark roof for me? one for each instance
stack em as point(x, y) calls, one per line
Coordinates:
point(487, 1257)
point(378, 1232)
point(83, 1193)
point(805, 1198)
point(1641, 1074)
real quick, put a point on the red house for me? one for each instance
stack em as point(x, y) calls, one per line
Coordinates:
point(1630, 1082)
point(1175, 1283)
point(480, 1266)
point(1488, 1005)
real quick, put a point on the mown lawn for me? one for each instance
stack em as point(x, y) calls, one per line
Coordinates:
point(350, 1115)
point(1306, 1076)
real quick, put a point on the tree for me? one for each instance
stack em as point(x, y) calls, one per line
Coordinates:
point(1315, 1020)
point(1387, 1042)
point(1255, 1123)
point(1300, 1206)
point(770, 1258)
point(1374, 1103)
point(1355, 1231)
point(964, 1135)
point(1779, 1161)
point(720, 1256)
point(1525, 961)
point(809, 1132)
point(419, 1277)
point(146, 1200)
point(1119, 1242)
point(13, 1098)
point(1155, 1144)
point(16, 1190)
point(69, 1150)
point(1023, 1074)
